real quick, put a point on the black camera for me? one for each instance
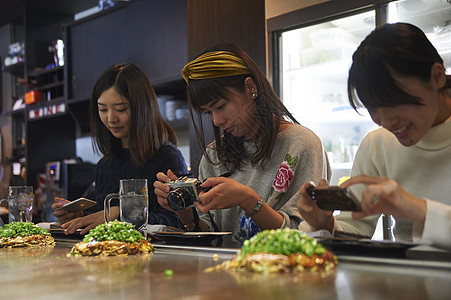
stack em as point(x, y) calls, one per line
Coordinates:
point(184, 191)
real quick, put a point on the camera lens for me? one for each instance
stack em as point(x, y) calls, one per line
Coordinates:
point(180, 198)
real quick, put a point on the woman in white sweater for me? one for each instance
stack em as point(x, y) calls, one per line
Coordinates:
point(402, 169)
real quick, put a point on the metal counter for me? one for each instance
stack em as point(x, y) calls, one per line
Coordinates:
point(47, 273)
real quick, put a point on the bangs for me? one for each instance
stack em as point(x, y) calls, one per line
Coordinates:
point(203, 91)
point(372, 84)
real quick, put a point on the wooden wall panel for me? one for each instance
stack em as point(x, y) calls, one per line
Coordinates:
point(239, 21)
point(210, 22)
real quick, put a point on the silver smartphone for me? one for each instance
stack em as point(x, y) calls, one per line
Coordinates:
point(334, 198)
point(78, 205)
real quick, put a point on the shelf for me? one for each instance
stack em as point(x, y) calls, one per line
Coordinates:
point(18, 111)
point(41, 72)
point(48, 81)
point(14, 112)
point(47, 111)
point(44, 79)
point(16, 69)
point(45, 103)
point(51, 85)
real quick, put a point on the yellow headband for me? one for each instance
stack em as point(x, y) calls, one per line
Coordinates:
point(213, 65)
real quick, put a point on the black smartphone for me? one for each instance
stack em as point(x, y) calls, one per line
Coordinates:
point(77, 205)
point(334, 198)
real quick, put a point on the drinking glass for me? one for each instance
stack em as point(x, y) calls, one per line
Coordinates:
point(20, 203)
point(133, 203)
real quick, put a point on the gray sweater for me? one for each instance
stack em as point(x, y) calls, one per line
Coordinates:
point(297, 157)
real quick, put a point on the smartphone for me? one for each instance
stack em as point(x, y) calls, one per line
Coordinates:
point(78, 205)
point(334, 198)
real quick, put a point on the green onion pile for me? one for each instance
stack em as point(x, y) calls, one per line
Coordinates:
point(114, 231)
point(22, 229)
point(281, 241)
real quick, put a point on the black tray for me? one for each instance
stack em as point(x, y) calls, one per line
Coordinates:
point(365, 247)
point(188, 238)
point(58, 234)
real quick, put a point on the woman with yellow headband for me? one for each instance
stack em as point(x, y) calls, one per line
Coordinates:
point(257, 141)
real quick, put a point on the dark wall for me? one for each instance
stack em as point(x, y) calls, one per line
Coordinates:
point(5, 120)
point(151, 34)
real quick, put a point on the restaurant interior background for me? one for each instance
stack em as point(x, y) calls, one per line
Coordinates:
point(309, 45)
point(315, 57)
point(312, 57)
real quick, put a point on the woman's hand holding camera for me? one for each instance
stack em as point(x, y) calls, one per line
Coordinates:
point(222, 193)
point(225, 193)
point(216, 193)
point(161, 189)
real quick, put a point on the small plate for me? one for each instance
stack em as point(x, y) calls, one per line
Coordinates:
point(188, 238)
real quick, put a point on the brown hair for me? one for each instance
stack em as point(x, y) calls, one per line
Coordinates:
point(148, 130)
point(269, 111)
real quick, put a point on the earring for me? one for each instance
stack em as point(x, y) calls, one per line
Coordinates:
point(254, 94)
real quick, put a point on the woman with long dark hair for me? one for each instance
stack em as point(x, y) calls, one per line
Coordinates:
point(128, 129)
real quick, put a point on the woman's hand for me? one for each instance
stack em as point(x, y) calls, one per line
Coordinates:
point(225, 193)
point(162, 189)
point(89, 221)
point(311, 213)
point(386, 196)
point(63, 215)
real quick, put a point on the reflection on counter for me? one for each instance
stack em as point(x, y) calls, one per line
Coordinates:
point(113, 269)
point(23, 255)
point(56, 276)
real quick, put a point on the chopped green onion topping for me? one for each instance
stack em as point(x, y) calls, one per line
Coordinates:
point(22, 229)
point(281, 241)
point(114, 231)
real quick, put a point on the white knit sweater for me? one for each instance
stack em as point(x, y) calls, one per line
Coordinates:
point(423, 170)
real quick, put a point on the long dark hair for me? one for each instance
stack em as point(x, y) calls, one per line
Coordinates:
point(269, 111)
point(148, 131)
point(390, 51)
